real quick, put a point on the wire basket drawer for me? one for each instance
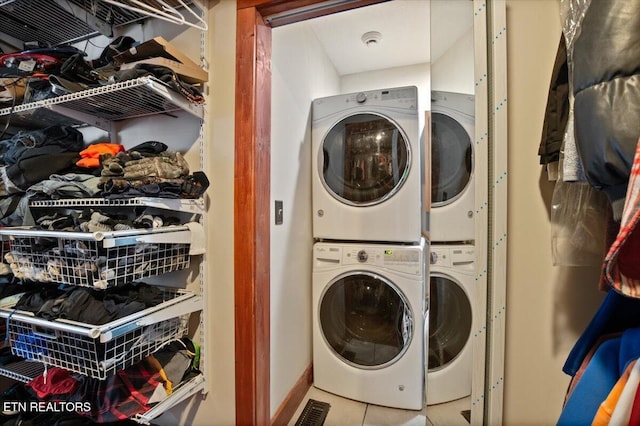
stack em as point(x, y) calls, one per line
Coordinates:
point(96, 259)
point(99, 351)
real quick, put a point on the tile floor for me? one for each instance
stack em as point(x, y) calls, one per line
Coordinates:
point(346, 412)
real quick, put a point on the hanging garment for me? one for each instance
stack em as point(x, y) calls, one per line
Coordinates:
point(585, 363)
point(603, 371)
point(603, 416)
point(621, 269)
point(634, 419)
point(600, 376)
point(557, 111)
point(606, 89)
point(622, 410)
point(615, 314)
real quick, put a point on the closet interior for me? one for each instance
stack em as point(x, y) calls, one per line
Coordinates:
point(102, 202)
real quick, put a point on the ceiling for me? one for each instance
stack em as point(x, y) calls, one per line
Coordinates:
point(405, 29)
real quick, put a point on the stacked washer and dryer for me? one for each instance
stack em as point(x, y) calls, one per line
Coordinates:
point(452, 295)
point(369, 260)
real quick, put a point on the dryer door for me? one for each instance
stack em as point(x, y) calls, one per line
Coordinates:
point(451, 157)
point(365, 320)
point(449, 321)
point(365, 159)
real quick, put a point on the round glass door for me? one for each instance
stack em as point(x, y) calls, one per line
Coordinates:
point(365, 320)
point(365, 159)
point(449, 321)
point(451, 156)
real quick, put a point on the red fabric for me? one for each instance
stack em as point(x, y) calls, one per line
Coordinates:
point(91, 154)
point(635, 410)
point(614, 275)
point(122, 395)
point(118, 397)
point(57, 382)
point(629, 256)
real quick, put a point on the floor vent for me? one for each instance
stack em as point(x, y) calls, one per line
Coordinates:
point(314, 413)
point(466, 414)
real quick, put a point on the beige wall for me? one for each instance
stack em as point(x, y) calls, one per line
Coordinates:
point(219, 161)
point(547, 306)
point(218, 406)
point(296, 55)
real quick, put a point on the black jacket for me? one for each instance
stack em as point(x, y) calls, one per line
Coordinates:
point(557, 111)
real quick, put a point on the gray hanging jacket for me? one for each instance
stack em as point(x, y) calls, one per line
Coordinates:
point(606, 85)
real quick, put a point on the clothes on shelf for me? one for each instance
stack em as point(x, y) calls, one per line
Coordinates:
point(88, 263)
point(133, 390)
point(121, 242)
point(90, 220)
point(45, 72)
point(53, 163)
point(90, 306)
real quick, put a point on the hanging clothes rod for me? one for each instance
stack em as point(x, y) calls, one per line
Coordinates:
point(168, 12)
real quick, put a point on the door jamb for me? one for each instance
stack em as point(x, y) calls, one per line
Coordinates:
point(252, 198)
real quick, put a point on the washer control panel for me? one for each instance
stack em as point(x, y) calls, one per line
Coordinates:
point(456, 257)
point(407, 259)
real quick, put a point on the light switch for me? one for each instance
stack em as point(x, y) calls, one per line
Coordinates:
point(279, 212)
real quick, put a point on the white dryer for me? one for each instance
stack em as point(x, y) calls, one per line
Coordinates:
point(452, 216)
point(366, 179)
point(368, 322)
point(451, 322)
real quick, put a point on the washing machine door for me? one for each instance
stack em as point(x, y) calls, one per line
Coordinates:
point(365, 320)
point(449, 321)
point(451, 159)
point(365, 159)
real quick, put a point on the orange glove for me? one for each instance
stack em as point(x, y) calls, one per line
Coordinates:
point(91, 154)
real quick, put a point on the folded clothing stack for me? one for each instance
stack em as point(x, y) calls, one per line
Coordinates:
point(149, 170)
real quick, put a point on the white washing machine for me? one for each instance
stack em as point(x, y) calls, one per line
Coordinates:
point(452, 296)
point(452, 216)
point(366, 179)
point(369, 322)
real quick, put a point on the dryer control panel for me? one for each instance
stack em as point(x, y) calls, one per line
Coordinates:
point(401, 98)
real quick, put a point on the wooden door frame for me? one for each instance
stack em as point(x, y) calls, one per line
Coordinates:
point(252, 180)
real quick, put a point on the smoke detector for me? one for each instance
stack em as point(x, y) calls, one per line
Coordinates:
point(371, 38)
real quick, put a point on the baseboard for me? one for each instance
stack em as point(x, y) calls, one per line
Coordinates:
point(293, 400)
